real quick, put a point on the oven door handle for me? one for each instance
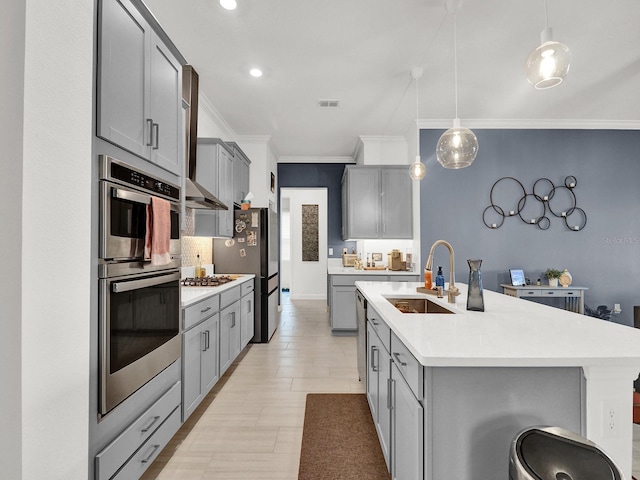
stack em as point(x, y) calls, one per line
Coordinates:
point(119, 287)
point(131, 196)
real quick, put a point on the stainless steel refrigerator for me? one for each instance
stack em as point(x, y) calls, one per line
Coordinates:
point(254, 249)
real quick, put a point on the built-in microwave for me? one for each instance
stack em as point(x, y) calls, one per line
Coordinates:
point(125, 193)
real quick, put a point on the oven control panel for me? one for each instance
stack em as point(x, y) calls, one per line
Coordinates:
point(142, 180)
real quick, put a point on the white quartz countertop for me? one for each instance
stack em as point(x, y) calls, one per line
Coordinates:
point(510, 332)
point(191, 295)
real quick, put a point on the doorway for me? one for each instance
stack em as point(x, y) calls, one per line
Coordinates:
point(303, 242)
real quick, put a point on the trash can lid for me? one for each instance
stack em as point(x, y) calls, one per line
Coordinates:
point(555, 456)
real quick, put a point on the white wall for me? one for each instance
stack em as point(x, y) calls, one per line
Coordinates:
point(12, 27)
point(56, 239)
point(382, 150)
point(264, 162)
point(308, 279)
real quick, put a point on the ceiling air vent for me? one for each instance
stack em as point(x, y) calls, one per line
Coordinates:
point(328, 103)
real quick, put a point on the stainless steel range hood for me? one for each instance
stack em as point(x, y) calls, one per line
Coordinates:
point(196, 196)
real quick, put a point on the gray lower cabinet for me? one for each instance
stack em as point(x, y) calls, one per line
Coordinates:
point(342, 299)
point(407, 430)
point(139, 98)
point(229, 327)
point(200, 365)
point(395, 396)
point(131, 453)
point(229, 335)
point(378, 374)
point(246, 313)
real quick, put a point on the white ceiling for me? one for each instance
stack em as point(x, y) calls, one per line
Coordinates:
point(361, 53)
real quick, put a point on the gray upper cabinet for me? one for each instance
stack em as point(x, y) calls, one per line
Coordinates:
point(214, 172)
point(139, 87)
point(396, 200)
point(241, 172)
point(377, 203)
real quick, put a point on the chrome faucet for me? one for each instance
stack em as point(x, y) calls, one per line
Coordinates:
point(452, 291)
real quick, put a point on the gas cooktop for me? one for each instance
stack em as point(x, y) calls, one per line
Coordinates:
point(208, 281)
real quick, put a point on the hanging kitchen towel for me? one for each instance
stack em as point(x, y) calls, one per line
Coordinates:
point(158, 234)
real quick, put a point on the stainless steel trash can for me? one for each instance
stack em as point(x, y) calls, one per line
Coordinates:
point(553, 453)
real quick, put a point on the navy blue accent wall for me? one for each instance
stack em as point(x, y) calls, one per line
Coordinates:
point(605, 256)
point(314, 175)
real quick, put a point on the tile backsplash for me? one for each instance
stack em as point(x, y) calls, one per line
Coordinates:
point(193, 246)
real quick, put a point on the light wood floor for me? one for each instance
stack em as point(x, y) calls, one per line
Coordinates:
point(250, 425)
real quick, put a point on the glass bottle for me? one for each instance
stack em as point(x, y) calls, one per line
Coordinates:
point(198, 271)
point(428, 283)
point(475, 299)
point(440, 278)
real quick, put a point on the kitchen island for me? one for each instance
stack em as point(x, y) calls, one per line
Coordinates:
point(462, 384)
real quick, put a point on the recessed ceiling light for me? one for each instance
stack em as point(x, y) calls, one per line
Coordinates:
point(228, 4)
point(255, 72)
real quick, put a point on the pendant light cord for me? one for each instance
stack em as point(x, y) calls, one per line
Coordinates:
point(455, 56)
point(546, 15)
point(417, 118)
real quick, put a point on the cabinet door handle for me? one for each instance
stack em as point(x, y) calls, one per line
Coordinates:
point(373, 363)
point(148, 427)
point(150, 132)
point(249, 310)
point(233, 319)
point(397, 357)
point(390, 383)
point(148, 457)
point(204, 341)
point(208, 339)
point(156, 131)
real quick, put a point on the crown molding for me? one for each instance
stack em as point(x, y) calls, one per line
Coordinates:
point(537, 124)
point(315, 159)
point(209, 108)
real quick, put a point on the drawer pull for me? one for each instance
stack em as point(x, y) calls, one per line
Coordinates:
point(147, 428)
point(530, 293)
point(153, 450)
point(397, 356)
point(373, 363)
point(205, 310)
point(550, 293)
point(374, 322)
point(569, 293)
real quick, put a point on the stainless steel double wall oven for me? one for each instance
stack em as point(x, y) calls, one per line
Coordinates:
point(139, 303)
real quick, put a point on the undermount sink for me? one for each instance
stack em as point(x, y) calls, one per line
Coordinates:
point(417, 305)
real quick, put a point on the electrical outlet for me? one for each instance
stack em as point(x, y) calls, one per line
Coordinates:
point(330, 251)
point(610, 418)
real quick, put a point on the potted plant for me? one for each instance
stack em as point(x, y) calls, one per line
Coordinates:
point(553, 275)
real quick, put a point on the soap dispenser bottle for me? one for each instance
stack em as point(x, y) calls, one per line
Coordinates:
point(440, 278)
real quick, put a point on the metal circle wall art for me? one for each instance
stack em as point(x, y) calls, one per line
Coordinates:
point(509, 198)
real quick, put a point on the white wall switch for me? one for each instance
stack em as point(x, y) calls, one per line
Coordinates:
point(330, 251)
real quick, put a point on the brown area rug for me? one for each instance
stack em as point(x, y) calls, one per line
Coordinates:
point(339, 440)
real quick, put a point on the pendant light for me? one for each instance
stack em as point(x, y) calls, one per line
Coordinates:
point(458, 146)
point(417, 169)
point(548, 64)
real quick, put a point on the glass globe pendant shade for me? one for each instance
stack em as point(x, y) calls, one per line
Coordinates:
point(417, 170)
point(548, 65)
point(457, 147)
